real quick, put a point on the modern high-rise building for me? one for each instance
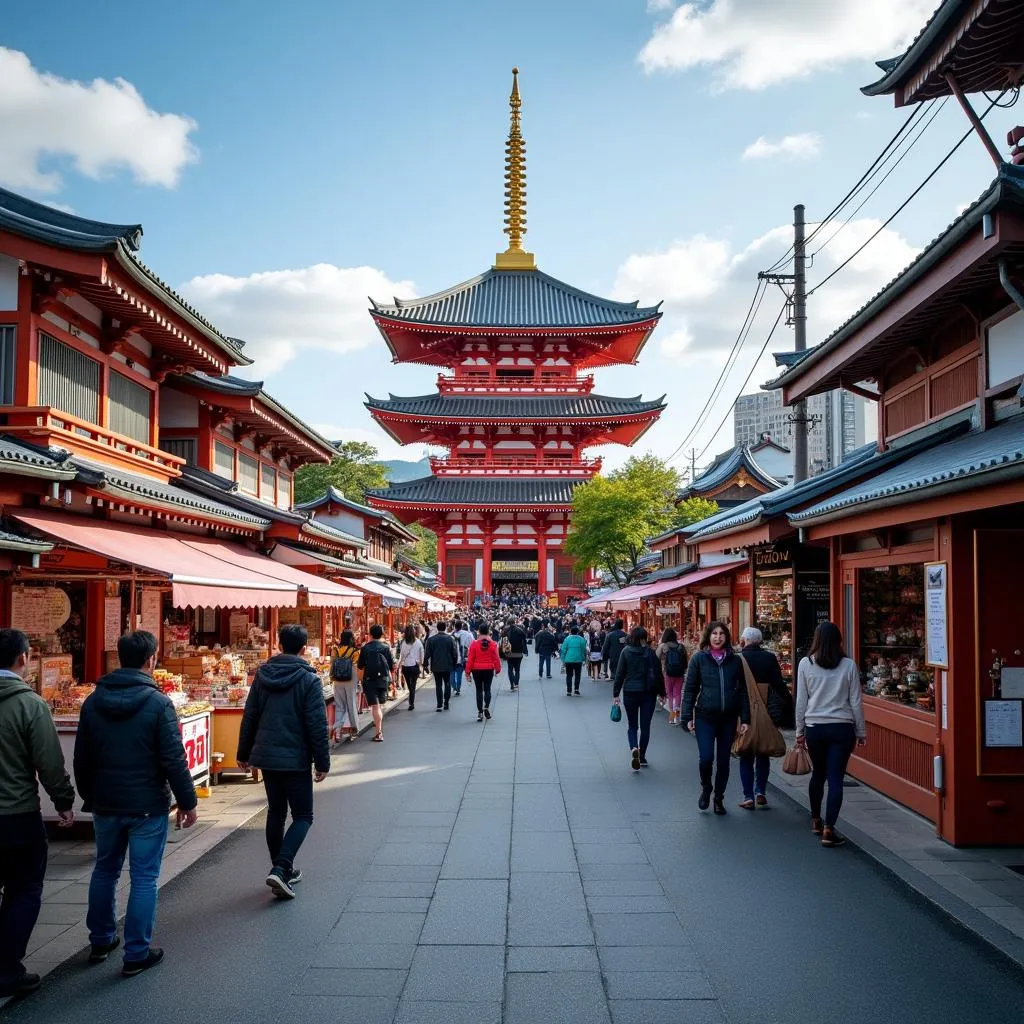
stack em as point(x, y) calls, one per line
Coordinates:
point(837, 426)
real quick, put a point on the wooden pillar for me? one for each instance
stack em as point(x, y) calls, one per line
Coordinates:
point(488, 543)
point(542, 554)
point(94, 615)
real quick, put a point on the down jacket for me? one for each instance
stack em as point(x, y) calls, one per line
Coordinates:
point(483, 655)
point(712, 689)
point(638, 671)
point(284, 725)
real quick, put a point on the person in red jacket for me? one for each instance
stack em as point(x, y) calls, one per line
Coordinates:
point(483, 663)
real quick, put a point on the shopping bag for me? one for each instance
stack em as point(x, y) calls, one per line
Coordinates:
point(616, 713)
point(797, 761)
point(763, 736)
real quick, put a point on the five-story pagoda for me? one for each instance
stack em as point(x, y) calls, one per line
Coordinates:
point(515, 412)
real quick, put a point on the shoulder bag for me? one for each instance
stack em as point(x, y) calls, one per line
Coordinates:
point(763, 736)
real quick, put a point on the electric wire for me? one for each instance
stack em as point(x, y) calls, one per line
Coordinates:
point(743, 386)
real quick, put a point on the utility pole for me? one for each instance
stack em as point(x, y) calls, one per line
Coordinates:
point(800, 339)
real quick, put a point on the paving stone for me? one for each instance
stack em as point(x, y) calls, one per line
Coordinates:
point(420, 818)
point(552, 958)
point(605, 836)
point(677, 984)
point(345, 981)
point(377, 928)
point(543, 851)
point(648, 958)
point(562, 997)
point(465, 973)
point(395, 888)
point(76, 892)
point(390, 955)
point(665, 1011)
point(548, 909)
point(635, 872)
point(629, 905)
point(621, 930)
point(418, 1011)
point(420, 834)
point(624, 886)
point(388, 904)
point(317, 1009)
point(410, 853)
point(467, 912)
point(602, 853)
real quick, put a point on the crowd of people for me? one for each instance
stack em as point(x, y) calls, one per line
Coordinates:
point(129, 759)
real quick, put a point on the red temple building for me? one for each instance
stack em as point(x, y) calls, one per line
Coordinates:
point(515, 409)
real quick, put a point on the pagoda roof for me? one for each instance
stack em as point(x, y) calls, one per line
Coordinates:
point(728, 465)
point(490, 492)
point(332, 496)
point(506, 407)
point(516, 298)
point(978, 41)
point(41, 223)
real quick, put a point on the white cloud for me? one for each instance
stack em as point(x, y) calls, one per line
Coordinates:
point(97, 126)
point(655, 6)
point(752, 44)
point(283, 314)
point(793, 147)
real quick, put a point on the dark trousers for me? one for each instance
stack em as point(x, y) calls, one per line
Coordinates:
point(482, 679)
point(514, 667)
point(443, 685)
point(714, 745)
point(754, 769)
point(573, 671)
point(22, 867)
point(544, 665)
point(287, 791)
point(410, 673)
point(639, 713)
point(830, 747)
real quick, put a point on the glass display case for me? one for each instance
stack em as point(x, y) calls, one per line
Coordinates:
point(773, 600)
point(892, 631)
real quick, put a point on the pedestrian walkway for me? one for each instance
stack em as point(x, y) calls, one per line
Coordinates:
point(518, 871)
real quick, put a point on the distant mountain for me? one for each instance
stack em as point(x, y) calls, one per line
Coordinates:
point(400, 469)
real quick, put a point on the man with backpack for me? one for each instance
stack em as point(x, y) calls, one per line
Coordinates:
point(614, 645)
point(440, 656)
point(513, 650)
point(343, 676)
point(376, 662)
point(463, 637)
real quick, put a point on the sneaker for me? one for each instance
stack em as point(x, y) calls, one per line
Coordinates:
point(643, 763)
point(576, 693)
point(133, 967)
point(480, 716)
point(704, 801)
point(26, 984)
point(636, 759)
point(295, 876)
point(747, 804)
point(830, 837)
point(487, 714)
point(817, 826)
point(439, 709)
point(100, 953)
point(279, 885)
point(761, 800)
point(446, 705)
point(719, 807)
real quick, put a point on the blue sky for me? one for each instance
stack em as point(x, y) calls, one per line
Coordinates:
point(287, 160)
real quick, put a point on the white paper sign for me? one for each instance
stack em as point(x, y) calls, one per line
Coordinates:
point(1003, 723)
point(936, 629)
point(111, 622)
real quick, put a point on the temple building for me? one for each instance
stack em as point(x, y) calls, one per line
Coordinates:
point(515, 410)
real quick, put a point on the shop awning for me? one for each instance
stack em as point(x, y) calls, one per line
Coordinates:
point(691, 578)
point(197, 579)
point(389, 598)
point(413, 595)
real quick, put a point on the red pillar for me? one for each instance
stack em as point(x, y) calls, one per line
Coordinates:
point(542, 556)
point(442, 555)
point(488, 542)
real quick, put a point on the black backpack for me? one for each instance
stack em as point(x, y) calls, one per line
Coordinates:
point(342, 669)
point(675, 662)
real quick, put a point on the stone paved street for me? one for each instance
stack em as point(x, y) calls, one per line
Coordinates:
point(518, 871)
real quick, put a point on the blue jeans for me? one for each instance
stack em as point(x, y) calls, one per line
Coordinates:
point(714, 746)
point(22, 866)
point(639, 713)
point(294, 791)
point(830, 747)
point(457, 677)
point(754, 770)
point(514, 665)
point(544, 668)
point(143, 839)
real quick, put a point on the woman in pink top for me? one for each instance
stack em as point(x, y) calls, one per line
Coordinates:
point(483, 663)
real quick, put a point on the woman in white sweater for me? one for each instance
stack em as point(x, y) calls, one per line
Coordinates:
point(829, 721)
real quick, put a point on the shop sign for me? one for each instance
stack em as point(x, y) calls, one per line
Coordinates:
point(152, 607)
point(936, 616)
point(772, 558)
point(111, 622)
point(39, 611)
point(672, 609)
point(195, 735)
point(812, 607)
point(512, 567)
point(743, 579)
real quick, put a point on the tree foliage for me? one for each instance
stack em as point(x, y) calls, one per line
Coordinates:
point(613, 516)
point(424, 550)
point(352, 471)
point(694, 510)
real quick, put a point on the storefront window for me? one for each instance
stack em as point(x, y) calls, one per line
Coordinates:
point(773, 597)
point(892, 629)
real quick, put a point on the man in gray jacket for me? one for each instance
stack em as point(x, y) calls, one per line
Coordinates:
point(29, 754)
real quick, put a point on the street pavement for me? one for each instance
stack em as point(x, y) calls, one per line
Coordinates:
point(519, 871)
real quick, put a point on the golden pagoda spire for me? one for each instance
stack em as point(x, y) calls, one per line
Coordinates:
point(515, 257)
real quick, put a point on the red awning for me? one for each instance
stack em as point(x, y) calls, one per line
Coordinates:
point(389, 598)
point(681, 582)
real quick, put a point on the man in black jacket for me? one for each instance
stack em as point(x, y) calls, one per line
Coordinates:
point(376, 662)
point(284, 729)
point(129, 758)
point(614, 644)
point(440, 656)
point(516, 652)
point(545, 643)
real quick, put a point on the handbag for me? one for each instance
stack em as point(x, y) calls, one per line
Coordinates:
point(763, 736)
point(797, 761)
point(616, 713)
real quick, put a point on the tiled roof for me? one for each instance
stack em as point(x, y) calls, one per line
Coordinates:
point(227, 492)
point(125, 486)
point(958, 464)
point(516, 298)
point(858, 463)
point(326, 532)
point(23, 457)
point(331, 561)
point(726, 466)
point(15, 542)
point(490, 491)
point(526, 408)
point(333, 495)
point(670, 572)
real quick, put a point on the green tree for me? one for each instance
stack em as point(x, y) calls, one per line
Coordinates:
point(613, 516)
point(424, 550)
point(694, 510)
point(352, 471)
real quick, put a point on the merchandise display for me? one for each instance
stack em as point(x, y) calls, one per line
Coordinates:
point(892, 632)
point(773, 599)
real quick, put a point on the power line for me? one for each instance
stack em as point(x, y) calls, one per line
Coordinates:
point(743, 386)
point(748, 320)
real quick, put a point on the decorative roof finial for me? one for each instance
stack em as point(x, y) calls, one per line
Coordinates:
point(515, 257)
